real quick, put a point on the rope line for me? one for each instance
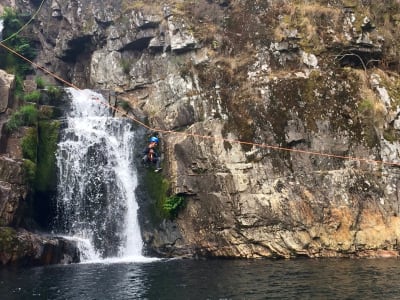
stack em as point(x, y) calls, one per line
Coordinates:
point(214, 138)
point(26, 24)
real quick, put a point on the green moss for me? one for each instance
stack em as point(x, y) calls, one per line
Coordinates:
point(46, 161)
point(165, 205)
point(30, 171)
point(29, 144)
point(366, 106)
point(158, 188)
point(8, 239)
point(10, 244)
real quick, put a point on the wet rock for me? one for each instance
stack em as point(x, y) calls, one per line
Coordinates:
point(23, 248)
point(13, 192)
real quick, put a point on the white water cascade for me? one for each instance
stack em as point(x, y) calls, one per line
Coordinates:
point(1, 28)
point(96, 202)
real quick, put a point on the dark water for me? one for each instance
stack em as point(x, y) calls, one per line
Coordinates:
point(211, 279)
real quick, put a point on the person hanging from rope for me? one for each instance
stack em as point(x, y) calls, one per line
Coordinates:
point(151, 155)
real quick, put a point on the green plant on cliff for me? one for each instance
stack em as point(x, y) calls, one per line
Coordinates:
point(172, 205)
point(39, 147)
point(46, 159)
point(9, 242)
point(33, 96)
point(55, 94)
point(165, 205)
point(13, 21)
point(124, 105)
point(29, 144)
point(126, 66)
point(30, 171)
point(40, 82)
point(27, 115)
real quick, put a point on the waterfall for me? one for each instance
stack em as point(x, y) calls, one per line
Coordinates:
point(96, 201)
point(1, 28)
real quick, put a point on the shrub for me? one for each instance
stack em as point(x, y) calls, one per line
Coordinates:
point(40, 82)
point(13, 21)
point(33, 96)
point(172, 205)
point(27, 115)
point(54, 93)
point(126, 66)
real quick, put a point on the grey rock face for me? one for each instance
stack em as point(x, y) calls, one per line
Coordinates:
point(13, 192)
point(7, 82)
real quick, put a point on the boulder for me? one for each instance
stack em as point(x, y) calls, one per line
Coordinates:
point(7, 82)
point(23, 248)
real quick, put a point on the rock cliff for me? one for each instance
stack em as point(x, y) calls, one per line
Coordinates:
point(17, 245)
point(310, 88)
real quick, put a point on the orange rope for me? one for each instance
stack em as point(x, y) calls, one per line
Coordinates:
point(214, 138)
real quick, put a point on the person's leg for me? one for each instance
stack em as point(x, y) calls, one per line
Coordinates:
point(158, 162)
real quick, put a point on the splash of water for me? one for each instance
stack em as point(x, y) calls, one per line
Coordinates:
point(1, 28)
point(97, 180)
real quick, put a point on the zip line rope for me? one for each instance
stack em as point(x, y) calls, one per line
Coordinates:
point(194, 135)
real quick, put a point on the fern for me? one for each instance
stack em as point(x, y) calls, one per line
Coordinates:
point(173, 204)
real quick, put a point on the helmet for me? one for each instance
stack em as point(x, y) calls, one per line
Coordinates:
point(154, 139)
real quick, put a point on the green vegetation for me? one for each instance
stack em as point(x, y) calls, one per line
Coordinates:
point(159, 189)
point(172, 205)
point(38, 145)
point(124, 105)
point(46, 160)
point(38, 148)
point(20, 43)
point(366, 106)
point(27, 115)
point(9, 242)
point(55, 94)
point(33, 96)
point(126, 66)
point(29, 144)
point(40, 82)
point(30, 171)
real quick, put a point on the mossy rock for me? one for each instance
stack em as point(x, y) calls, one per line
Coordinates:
point(46, 160)
point(29, 144)
point(10, 245)
point(158, 188)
